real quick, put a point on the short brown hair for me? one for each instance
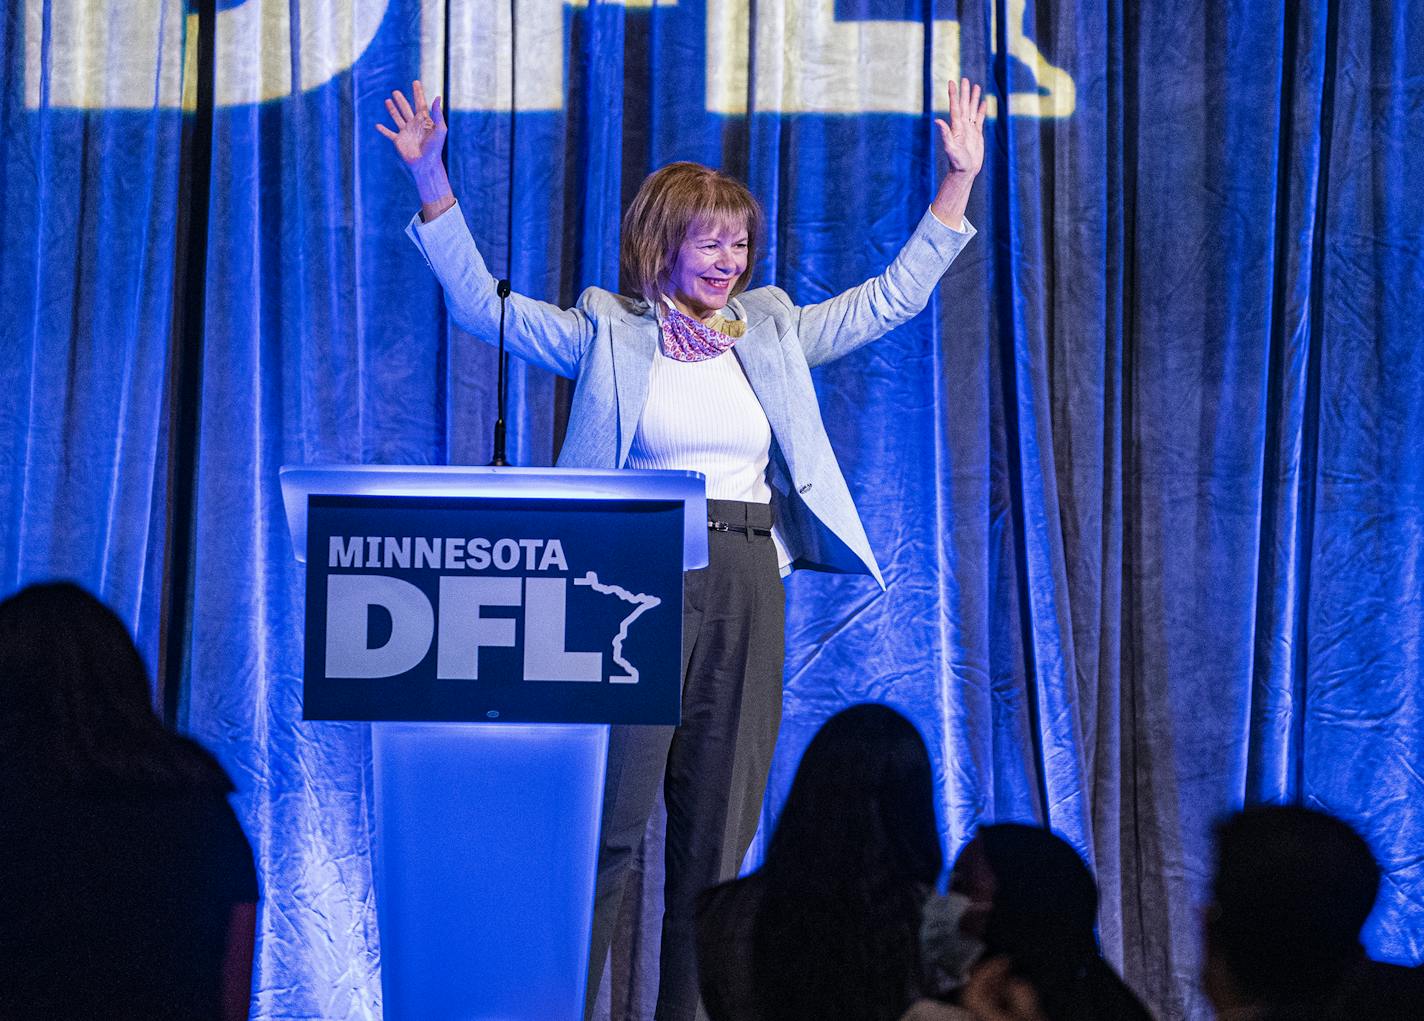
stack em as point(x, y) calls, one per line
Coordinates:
point(669, 202)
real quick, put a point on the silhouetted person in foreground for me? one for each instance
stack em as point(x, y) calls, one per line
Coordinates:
point(127, 888)
point(1292, 891)
point(1034, 906)
point(828, 926)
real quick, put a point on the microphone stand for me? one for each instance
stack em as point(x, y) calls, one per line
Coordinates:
point(498, 460)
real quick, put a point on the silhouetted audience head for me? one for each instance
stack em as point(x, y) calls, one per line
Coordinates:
point(833, 915)
point(76, 710)
point(862, 802)
point(1035, 903)
point(1292, 890)
point(129, 887)
point(854, 853)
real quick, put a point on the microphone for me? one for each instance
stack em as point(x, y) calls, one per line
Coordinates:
point(498, 460)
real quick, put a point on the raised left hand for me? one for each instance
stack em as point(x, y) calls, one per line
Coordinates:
point(963, 137)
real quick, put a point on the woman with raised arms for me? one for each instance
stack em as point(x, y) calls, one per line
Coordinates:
point(693, 371)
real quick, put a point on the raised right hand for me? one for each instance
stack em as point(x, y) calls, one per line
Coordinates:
point(420, 133)
point(419, 137)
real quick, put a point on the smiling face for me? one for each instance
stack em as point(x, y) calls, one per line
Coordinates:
point(706, 267)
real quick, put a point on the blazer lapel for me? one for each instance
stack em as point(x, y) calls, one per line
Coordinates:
point(759, 351)
point(635, 338)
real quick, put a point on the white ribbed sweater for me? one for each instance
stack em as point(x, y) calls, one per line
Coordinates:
point(703, 416)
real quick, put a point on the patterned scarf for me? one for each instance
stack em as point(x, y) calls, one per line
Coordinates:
point(684, 339)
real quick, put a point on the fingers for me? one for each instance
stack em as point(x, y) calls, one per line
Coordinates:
point(387, 132)
point(944, 133)
point(395, 113)
point(404, 106)
point(437, 114)
point(967, 105)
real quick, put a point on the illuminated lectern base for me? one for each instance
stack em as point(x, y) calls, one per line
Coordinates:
point(485, 854)
point(486, 834)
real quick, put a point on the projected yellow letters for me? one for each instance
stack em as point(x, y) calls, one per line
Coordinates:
point(142, 55)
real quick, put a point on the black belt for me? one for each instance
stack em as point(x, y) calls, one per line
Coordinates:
point(722, 526)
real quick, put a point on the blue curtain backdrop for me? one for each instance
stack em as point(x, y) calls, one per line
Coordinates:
point(1145, 477)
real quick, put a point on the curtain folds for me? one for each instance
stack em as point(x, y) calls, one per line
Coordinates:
point(87, 285)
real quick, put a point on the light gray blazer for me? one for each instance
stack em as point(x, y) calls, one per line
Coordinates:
point(606, 342)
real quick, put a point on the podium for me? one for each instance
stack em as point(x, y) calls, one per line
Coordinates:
point(491, 622)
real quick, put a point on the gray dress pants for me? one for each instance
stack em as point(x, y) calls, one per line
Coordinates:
point(713, 767)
